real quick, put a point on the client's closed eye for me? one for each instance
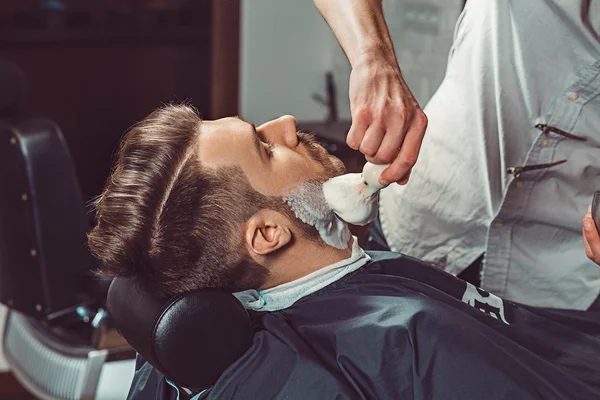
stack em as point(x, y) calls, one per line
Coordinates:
point(261, 138)
point(270, 146)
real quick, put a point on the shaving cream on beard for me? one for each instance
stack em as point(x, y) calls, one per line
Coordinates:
point(309, 204)
point(352, 200)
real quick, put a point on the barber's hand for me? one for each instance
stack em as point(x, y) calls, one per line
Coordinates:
point(387, 123)
point(591, 238)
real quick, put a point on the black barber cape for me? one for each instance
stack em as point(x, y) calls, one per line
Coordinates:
point(400, 329)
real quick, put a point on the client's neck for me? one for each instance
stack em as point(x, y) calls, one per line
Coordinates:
point(303, 257)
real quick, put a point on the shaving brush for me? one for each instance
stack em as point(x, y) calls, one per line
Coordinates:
point(354, 198)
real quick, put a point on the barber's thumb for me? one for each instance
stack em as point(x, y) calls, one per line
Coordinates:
point(404, 179)
point(588, 222)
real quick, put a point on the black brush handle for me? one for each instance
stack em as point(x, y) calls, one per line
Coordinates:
point(596, 210)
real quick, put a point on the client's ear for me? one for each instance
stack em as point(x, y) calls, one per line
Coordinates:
point(267, 231)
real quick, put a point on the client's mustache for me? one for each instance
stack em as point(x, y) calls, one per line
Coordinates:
point(309, 139)
point(333, 165)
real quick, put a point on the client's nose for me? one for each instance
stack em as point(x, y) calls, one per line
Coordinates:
point(281, 131)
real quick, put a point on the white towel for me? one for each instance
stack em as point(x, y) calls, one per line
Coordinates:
point(283, 296)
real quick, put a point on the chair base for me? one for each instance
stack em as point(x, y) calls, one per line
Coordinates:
point(51, 369)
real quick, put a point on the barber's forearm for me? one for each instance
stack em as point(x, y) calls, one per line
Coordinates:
point(387, 123)
point(360, 28)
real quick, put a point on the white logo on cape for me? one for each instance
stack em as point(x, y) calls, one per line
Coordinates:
point(484, 301)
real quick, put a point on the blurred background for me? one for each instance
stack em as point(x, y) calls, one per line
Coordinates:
point(95, 67)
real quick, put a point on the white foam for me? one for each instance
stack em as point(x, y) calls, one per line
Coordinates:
point(351, 199)
point(308, 203)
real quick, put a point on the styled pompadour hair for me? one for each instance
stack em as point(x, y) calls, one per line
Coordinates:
point(168, 222)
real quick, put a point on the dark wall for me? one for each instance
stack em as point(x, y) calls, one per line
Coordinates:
point(97, 81)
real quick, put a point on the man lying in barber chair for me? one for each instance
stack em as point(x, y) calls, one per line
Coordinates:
point(198, 204)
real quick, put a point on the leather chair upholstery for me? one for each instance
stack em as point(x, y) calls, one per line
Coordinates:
point(55, 320)
point(191, 338)
point(44, 261)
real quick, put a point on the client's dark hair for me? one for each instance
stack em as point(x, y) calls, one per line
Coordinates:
point(167, 221)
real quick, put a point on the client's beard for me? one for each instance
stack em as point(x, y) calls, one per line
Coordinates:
point(307, 201)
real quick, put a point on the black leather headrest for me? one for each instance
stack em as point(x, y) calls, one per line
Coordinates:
point(190, 338)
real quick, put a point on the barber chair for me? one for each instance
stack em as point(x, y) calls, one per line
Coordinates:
point(56, 331)
point(191, 338)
